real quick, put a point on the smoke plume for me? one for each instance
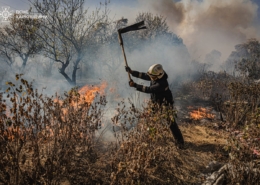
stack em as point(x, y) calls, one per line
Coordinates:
point(205, 25)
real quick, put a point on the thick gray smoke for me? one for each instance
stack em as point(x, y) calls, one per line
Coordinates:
point(174, 58)
point(206, 25)
point(203, 25)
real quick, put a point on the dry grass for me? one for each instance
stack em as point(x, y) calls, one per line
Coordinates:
point(52, 140)
point(237, 100)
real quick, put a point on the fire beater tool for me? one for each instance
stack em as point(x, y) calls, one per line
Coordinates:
point(134, 27)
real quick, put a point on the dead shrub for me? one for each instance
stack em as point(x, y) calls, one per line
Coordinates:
point(45, 140)
point(146, 153)
point(237, 100)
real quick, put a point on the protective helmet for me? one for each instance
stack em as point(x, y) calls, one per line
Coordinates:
point(156, 70)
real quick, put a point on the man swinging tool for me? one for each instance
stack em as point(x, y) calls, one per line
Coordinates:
point(160, 93)
point(159, 89)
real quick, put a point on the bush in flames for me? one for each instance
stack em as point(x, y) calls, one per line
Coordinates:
point(50, 140)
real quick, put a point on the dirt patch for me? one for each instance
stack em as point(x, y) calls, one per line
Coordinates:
point(202, 135)
point(203, 145)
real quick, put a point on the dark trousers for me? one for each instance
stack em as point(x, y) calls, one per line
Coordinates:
point(176, 132)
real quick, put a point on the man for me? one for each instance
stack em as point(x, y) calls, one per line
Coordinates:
point(160, 93)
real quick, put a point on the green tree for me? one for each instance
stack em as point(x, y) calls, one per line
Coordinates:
point(156, 25)
point(157, 30)
point(246, 59)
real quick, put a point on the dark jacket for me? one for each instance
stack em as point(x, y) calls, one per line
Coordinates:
point(159, 89)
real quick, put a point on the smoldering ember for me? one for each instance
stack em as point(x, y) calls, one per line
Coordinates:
point(130, 92)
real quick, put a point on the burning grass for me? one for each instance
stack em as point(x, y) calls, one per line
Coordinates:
point(40, 142)
point(201, 113)
point(88, 93)
point(43, 144)
point(236, 100)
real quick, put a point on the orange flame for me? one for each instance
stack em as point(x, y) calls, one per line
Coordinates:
point(89, 92)
point(201, 113)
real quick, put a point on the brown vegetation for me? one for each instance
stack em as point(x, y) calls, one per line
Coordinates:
point(237, 101)
point(45, 141)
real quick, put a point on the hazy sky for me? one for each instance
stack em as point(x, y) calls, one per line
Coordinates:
point(24, 4)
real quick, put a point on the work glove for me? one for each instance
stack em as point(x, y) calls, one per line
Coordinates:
point(132, 83)
point(128, 69)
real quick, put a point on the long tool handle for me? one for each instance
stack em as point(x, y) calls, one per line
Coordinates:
point(123, 50)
